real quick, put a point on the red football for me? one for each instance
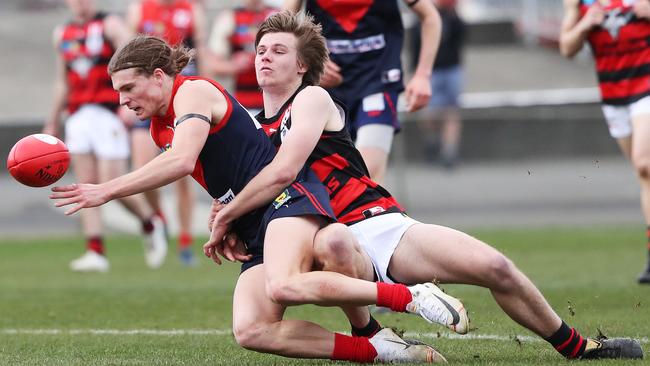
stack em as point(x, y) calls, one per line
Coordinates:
point(38, 160)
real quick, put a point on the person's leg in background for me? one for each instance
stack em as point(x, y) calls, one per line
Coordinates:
point(640, 154)
point(373, 124)
point(185, 207)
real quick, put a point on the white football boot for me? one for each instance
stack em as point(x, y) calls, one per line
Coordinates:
point(90, 262)
point(393, 349)
point(435, 306)
point(155, 244)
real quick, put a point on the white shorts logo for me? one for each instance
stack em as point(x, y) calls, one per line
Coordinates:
point(226, 198)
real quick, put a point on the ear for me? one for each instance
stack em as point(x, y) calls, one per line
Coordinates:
point(302, 68)
point(158, 75)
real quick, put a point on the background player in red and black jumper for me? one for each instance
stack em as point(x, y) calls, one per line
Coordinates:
point(618, 33)
point(94, 133)
point(179, 22)
point(382, 243)
point(205, 132)
point(232, 49)
point(365, 40)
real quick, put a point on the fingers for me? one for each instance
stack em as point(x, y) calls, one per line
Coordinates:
point(68, 188)
point(73, 210)
point(208, 251)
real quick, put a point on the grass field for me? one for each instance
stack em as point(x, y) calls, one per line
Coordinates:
point(181, 316)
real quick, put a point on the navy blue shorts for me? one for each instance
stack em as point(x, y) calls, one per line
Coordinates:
point(378, 108)
point(304, 197)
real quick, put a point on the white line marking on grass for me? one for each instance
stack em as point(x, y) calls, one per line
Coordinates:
point(193, 332)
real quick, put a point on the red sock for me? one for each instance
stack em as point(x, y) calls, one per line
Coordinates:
point(356, 349)
point(393, 296)
point(96, 244)
point(147, 226)
point(185, 240)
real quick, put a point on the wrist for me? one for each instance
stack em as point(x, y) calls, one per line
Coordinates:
point(422, 73)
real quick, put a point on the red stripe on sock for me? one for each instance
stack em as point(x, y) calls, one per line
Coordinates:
point(185, 240)
point(393, 296)
point(96, 244)
point(566, 343)
point(577, 348)
point(356, 349)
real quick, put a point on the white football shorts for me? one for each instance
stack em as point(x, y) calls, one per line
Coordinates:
point(619, 118)
point(93, 129)
point(379, 236)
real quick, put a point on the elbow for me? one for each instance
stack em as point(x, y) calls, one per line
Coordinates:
point(567, 49)
point(185, 166)
point(284, 177)
point(285, 174)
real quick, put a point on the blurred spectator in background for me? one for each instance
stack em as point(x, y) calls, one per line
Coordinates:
point(618, 33)
point(178, 22)
point(232, 49)
point(365, 71)
point(94, 133)
point(443, 139)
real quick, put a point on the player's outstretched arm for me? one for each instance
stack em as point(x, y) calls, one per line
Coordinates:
point(177, 162)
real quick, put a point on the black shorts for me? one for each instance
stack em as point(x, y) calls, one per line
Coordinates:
point(306, 196)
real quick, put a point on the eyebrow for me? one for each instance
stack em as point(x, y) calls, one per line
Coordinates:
point(124, 86)
point(274, 45)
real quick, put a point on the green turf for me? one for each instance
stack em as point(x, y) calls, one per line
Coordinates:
point(588, 276)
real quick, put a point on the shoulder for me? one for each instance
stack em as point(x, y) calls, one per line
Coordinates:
point(313, 98)
point(313, 93)
point(199, 91)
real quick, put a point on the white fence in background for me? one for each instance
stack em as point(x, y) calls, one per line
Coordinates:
point(535, 19)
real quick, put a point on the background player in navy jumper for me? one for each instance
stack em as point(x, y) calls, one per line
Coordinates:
point(365, 39)
point(399, 248)
point(208, 134)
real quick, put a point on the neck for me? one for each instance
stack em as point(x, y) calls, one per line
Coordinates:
point(167, 86)
point(276, 96)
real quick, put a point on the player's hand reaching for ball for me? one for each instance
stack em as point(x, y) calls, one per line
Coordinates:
point(81, 195)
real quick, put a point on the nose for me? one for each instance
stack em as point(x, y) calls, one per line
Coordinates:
point(265, 56)
point(123, 99)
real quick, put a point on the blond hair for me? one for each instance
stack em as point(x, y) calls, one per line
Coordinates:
point(147, 53)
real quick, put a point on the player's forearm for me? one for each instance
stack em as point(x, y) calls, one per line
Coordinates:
point(260, 191)
point(572, 40)
point(162, 170)
point(59, 98)
point(221, 66)
point(430, 35)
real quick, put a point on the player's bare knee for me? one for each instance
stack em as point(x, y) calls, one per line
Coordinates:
point(502, 273)
point(642, 168)
point(334, 247)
